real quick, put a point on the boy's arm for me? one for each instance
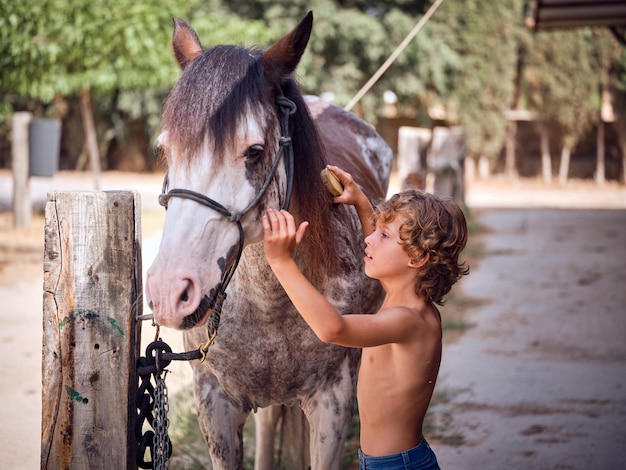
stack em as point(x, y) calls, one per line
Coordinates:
point(354, 196)
point(280, 238)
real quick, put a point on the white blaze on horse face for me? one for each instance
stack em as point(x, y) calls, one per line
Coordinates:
point(198, 241)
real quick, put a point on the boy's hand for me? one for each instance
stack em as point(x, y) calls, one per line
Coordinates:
point(351, 191)
point(280, 236)
point(354, 196)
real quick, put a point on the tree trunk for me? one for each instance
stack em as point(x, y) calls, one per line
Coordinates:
point(91, 139)
point(624, 164)
point(510, 168)
point(566, 152)
point(546, 160)
point(600, 170)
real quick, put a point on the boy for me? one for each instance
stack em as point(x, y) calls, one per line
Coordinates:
point(413, 242)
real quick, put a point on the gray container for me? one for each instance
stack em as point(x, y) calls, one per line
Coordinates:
point(44, 145)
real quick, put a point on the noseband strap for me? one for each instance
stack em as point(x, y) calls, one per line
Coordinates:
point(285, 150)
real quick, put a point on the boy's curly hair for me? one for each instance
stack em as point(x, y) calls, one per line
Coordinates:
point(435, 228)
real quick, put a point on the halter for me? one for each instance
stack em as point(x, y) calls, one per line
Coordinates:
point(285, 149)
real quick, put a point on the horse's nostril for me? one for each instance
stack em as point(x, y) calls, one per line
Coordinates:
point(151, 305)
point(184, 297)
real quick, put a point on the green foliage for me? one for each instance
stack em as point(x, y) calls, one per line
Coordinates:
point(352, 39)
point(563, 79)
point(464, 60)
point(50, 47)
point(486, 36)
point(57, 47)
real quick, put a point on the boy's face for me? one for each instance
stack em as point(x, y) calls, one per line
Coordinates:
point(384, 252)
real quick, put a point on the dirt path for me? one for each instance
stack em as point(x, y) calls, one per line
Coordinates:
point(539, 382)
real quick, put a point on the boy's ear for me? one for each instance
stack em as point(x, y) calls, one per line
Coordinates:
point(421, 261)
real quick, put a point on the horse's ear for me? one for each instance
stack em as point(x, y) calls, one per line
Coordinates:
point(280, 60)
point(185, 43)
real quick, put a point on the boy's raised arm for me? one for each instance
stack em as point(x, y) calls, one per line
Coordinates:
point(280, 239)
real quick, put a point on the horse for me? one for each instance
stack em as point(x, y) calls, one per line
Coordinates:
point(239, 137)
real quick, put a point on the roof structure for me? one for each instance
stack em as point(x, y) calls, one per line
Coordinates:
point(551, 14)
point(572, 13)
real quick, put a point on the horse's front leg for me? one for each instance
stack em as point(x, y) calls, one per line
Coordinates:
point(329, 412)
point(221, 422)
point(265, 420)
point(294, 437)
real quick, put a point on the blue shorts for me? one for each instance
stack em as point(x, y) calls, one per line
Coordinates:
point(420, 457)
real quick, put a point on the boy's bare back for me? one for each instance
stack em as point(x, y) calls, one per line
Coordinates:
point(395, 385)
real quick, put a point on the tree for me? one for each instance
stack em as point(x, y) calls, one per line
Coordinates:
point(116, 54)
point(85, 47)
point(606, 58)
point(463, 59)
point(351, 39)
point(54, 46)
point(486, 35)
point(562, 87)
point(619, 99)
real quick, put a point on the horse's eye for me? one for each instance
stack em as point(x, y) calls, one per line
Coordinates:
point(254, 152)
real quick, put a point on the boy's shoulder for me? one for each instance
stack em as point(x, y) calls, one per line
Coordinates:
point(414, 315)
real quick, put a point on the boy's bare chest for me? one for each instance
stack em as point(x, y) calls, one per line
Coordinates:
point(378, 362)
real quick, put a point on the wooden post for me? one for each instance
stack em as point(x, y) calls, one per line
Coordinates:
point(413, 145)
point(91, 336)
point(22, 206)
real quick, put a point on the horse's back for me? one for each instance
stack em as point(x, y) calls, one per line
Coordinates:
point(353, 145)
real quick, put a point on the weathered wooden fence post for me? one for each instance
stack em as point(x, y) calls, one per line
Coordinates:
point(91, 338)
point(413, 146)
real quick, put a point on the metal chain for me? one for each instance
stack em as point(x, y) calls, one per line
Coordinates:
point(162, 445)
point(153, 407)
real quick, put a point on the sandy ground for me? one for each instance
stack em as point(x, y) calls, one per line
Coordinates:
point(539, 382)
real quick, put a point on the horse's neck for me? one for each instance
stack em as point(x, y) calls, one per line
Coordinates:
point(254, 271)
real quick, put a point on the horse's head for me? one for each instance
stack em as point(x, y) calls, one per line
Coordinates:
point(221, 136)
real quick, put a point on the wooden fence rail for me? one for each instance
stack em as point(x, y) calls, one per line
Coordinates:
point(91, 338)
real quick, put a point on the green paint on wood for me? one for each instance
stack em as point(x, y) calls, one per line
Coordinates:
point(115, 325)
point(74, 395)
point(64, 322)
point(85, 313)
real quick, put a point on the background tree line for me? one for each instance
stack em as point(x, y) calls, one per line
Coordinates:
point(474, 61)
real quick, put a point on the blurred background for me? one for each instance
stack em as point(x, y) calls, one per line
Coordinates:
point(518, 105)
point(533, 97)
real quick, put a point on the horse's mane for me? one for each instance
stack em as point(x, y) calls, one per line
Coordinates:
point(312, 201)
point(213, 96)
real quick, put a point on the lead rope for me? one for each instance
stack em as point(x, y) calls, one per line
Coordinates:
point(394, 55)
